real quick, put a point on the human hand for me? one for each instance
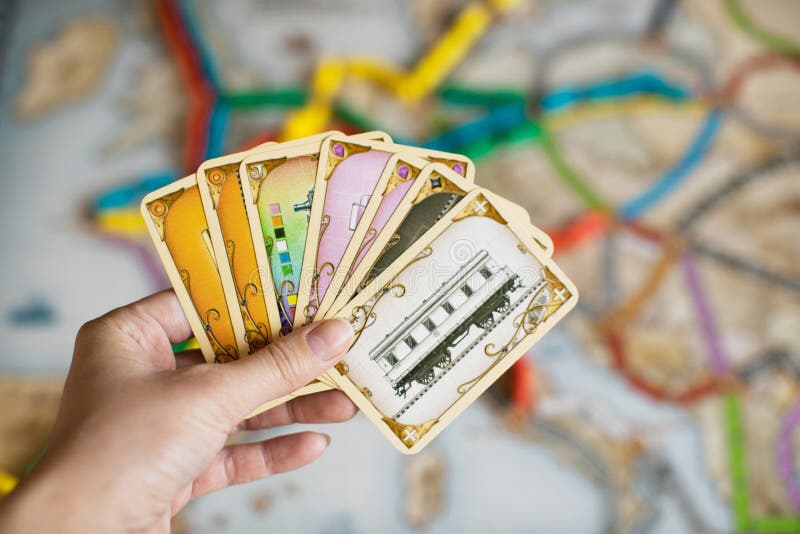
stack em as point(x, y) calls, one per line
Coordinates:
point(141, 431)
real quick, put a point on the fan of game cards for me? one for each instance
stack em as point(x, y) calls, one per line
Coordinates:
point(445, 283)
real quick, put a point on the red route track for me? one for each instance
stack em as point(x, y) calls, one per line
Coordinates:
point(615, 322)
point(586, 227)
point(200, 93)
point(761, 62)
point(521, 385)
point(616, 345)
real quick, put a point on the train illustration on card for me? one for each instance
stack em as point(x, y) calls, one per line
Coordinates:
point(471, 302)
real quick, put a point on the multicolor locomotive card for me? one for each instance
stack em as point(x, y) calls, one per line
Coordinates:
point(279, 185)
point(447, 318)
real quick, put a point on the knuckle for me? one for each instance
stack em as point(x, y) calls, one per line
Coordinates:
point(267, 460)
point(285, 364)
point(295, 411)
point(230, 468)
point(88, 329)
point(91, 330)
point(131, 322)
point(204, 385)
point(137, 325)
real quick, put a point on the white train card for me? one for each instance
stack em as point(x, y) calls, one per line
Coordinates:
point(448, 317)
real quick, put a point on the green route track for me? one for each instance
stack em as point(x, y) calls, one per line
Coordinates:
point(736, 458)
point(568, 173)
point(738, 473)
point(771, 40)
point(286, 97)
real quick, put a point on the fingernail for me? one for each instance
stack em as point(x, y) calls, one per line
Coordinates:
point(327, 439)
point(330, 339)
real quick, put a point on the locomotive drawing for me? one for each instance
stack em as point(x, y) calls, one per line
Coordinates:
point(422, 342)
point(305, 206)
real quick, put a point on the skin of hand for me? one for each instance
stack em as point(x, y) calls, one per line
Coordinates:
point(141, 431)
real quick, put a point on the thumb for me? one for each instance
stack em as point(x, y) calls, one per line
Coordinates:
point(283, 366)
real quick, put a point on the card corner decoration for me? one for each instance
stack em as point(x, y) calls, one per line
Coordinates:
point(342, 368)
point(215, 178)
point(464, 168)
point(158, 209)
point(402, 172)
point(338, 151)
point(409, 435)
point(480, 206)
point(258, 170)
point(437, 182)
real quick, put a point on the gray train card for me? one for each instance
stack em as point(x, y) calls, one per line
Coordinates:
point(448, 317)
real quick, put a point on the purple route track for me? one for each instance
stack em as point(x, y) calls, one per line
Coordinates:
point(784, 449)
point(716, 355)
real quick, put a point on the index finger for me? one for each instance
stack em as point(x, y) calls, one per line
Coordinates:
point(164, 310)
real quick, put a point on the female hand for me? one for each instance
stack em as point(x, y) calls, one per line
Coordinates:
point(142, 431)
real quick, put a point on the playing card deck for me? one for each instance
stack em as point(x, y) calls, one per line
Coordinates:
point(445, 284)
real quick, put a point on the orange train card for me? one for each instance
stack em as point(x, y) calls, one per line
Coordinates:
point(247, 289)
point(177, 224)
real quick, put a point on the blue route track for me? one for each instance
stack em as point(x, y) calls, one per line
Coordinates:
point(636, 84)
point(675, 176)
point(217, 128)
point(194, 29)
point(127, 195)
